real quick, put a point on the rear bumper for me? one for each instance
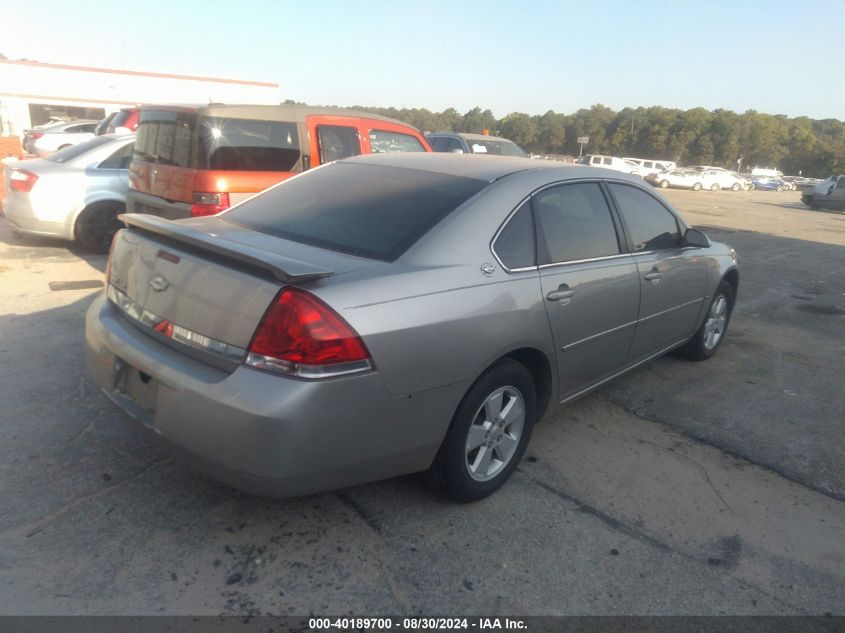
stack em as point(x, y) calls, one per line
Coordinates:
point(20, 212)
point(140, 202)
point(262, 433)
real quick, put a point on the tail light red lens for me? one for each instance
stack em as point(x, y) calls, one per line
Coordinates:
point(36, 135)
point(22, 180)
point(300, 335)
point(209, 203)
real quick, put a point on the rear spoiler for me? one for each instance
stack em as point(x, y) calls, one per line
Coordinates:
point(285, 269)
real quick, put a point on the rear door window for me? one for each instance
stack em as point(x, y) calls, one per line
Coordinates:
point(371, 211)
point(574, 223)
point(382, 142)
point(650, 225)
point(439, 143)
point(247, 145)
point(166, 138)
point(455, 145)
point(337, 141)
point(119, 159)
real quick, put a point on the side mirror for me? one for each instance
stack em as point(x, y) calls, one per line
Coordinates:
point(457, 150)
point(696, 239)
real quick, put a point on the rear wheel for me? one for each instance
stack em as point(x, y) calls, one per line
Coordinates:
point(97, 224)
point(735, 187)
point(488, 434)
point(696, 186)
point(710, 335)
point(810, 202)
point(664, 184)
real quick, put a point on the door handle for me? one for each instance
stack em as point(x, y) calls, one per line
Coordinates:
point(564, 292)
point(654, 275)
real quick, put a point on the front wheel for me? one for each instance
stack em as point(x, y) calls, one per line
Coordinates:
point(710, 335)
point(810, 202)
point(488, 433)
point(780, 188)
point(664, 184)
point(696, 186)
point(735, 187)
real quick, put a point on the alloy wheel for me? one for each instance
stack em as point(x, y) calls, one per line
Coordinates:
point(717, 320)
point(495, 433)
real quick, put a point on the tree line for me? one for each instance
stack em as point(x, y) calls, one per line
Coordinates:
point(689, 137)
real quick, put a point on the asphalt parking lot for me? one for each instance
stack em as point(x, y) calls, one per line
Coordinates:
point(681, 488)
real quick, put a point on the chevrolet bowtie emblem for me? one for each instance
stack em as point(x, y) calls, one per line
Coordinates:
point(159, 283)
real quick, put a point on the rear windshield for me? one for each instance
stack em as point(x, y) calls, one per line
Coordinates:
point(371, 211)
point(496, 147)
point(183, 139)
point(74, 151)
point(247, 145)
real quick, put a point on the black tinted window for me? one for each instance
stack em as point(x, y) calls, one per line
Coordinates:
point(439, 144)
point(575, 223)
point(515, 244)
point(248, 145)
point(337, 141)
point(166, 138)
point(375, 212)
point(650, 225)
point(119, 159)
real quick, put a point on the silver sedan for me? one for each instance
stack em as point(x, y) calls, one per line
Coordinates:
point(74, 194)
point(390, 314)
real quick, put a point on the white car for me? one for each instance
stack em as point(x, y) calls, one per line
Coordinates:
point(46, 140)
point(612, 162)
point(678, 179)
point(648, 167)
point(74, 194)
point(715, 179)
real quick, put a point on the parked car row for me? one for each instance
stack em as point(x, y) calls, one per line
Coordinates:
point(712, 179)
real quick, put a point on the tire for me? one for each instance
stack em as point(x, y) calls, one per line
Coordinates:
point(735, 187)
point(96, 226)
point(779, 189)
point(715, 186)
point(461, 472)
point(664, 184)
point(810, 202)
point(710, 335)
point(696, 186)
point(751, 187)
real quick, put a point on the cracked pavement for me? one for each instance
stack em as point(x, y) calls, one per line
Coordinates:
point(681, 488)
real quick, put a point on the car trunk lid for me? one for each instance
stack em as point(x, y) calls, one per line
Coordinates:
point(205, 284)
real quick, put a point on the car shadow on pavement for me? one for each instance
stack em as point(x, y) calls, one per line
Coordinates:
point(47, 249)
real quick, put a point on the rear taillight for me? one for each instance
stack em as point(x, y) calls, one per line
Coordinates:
point(36, 135)
point(22, 180)
point(209, 203)
point(300, 335)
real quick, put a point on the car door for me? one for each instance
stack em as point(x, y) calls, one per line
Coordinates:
point(589, 281)
point(672, 277)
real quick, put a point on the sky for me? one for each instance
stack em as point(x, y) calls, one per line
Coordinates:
point(530, 56)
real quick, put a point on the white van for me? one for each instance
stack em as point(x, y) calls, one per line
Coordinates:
point(649, 166)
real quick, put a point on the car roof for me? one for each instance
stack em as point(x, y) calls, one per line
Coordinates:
point(281, 112)
point(479, 167)
point(471, 137)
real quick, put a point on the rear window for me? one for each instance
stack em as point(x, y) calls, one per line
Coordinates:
point(74, 151)
point(166, 138)
point(247, 145)
point(496, 147)
point(371, 211)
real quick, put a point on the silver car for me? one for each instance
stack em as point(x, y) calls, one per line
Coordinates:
point(390, 314)
point(44, 141)
point(74, 194)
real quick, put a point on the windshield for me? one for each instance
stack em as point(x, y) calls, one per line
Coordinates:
point(497, 147)
point(74, 151)
point(370, 211)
